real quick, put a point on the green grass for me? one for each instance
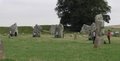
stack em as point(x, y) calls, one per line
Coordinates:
point(22, 29)
point(47, 48)
point(25, 29)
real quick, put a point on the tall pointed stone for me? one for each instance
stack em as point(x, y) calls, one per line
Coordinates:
point(99, 22)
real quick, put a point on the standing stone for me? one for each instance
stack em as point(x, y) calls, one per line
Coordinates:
point(93, 27)
point(56, 31)
point(36, 31)
point(1, 49)
point(99, 22)
point(85, 29)
point(13, 30)
point(88, 29)
point(59, 31)
point(52, 29)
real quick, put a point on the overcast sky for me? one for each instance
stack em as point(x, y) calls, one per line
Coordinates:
point(31, 12)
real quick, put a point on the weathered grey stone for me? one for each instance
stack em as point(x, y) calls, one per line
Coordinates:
point(52, 29)
point(93, 27)
point(88, 29)
point(1, 50)
point(36, 31)
point(99, 22)
point(59, 31)
point(85, 29)
point(56, 31)
point(13, 30)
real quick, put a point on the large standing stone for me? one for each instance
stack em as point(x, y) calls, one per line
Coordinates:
point(99, 22)
point(59, 31)
point(1, 49)
point(88, 29)
point(36, 31)
point(13, 30)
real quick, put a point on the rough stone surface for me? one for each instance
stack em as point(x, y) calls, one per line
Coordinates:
point(13, 30)
point(93, 27)
point(52, 29)
point(99, 22)
point(59, 31)
point(36, 31)
point(85, 29)
point(88, 29)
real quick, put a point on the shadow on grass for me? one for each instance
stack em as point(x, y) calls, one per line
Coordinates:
point(7, 59)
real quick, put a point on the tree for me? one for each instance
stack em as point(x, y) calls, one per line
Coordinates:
point(79, 12)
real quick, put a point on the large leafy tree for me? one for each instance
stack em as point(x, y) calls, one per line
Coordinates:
point(79, 12)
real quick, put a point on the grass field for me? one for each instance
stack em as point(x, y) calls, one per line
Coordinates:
point(47, 48)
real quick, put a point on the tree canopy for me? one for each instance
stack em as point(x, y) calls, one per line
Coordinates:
point(78, 12)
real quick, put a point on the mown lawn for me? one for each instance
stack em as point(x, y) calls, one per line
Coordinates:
point(47, 48)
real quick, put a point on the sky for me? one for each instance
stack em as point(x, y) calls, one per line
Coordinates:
point(115, 12)
point(31, 12)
